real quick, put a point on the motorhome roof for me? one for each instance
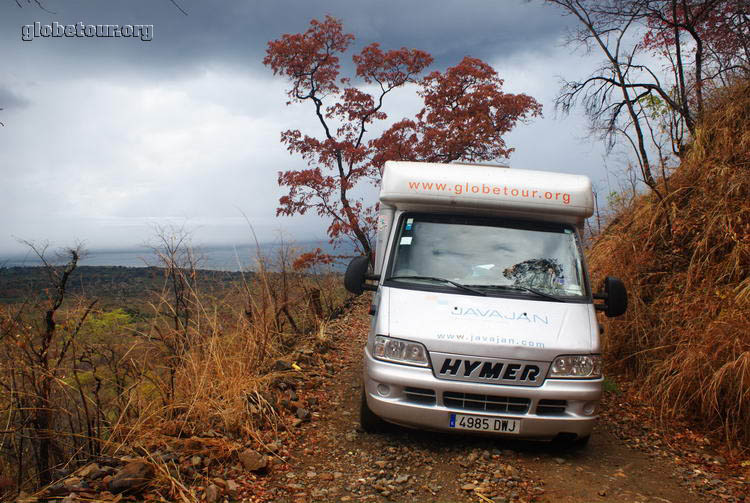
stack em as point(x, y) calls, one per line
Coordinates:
point(488, 190)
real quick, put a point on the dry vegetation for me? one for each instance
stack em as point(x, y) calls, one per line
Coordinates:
point(686, 263)
point(78, 383)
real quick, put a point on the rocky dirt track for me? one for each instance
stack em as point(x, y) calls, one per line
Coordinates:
point(331, 459)
point(306, 446)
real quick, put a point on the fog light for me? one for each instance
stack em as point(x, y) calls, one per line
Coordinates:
point(384, 389)
point(589, 408)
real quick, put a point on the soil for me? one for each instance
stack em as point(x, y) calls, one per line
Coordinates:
point(629, 457)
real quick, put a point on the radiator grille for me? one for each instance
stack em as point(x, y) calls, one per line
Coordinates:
point(470, 401)
point(551, 407)
point(420, 395)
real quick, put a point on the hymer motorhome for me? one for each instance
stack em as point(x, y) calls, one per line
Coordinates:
point(483, 317)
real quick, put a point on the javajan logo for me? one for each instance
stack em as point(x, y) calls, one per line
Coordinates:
point(493, 313)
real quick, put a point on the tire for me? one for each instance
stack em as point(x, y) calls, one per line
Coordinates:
point(368, 420)
point(571, 444)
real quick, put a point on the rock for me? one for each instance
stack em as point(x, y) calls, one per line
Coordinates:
point(132, 477)
point(381, 464)
point(281, 366)
point(212, 493)
point(91, 471)
point(303, 413)
point(351, 437)
point(196, 461)
point(273, 447)
point(72, 483)
point(168, 457)
point(232, 487)
point(468, 487)
point(70, 498)
point(252, 460)
point(559, 461)
point(311, 475)
point(326, 476)
point(57, 489)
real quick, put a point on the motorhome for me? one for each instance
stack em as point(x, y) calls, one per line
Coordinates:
point(483, 316)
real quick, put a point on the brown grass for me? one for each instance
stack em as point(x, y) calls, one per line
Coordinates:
point(203, 362)
point(687, 330)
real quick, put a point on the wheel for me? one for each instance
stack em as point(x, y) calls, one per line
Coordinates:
point(566, 443)
point(368, 420)
point(580, 443)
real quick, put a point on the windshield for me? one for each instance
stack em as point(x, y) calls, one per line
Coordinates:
point(491, 256)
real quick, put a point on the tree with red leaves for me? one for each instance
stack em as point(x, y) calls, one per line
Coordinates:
point(464, 117)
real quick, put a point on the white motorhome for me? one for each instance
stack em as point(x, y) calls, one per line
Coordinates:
point(483, 317)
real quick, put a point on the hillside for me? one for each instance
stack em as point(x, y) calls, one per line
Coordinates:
point(686, 263)
point(112, 285)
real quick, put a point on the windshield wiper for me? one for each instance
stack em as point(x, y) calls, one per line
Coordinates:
point(432, 278)
point(524, 288)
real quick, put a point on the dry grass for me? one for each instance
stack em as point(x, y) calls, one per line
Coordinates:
point(203, 363)
point(687, 330)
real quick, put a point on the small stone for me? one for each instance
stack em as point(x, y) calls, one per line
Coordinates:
point(381, 464)
point(90, 470)
point(196, 460)
point(132, 477)
point(212, 494)
point(273, 447)
point(326, 476)
point(311, 475)
point(232, 487)
point(252, 460)
point(351, 437)
point(559, 461)
point(72, 483)
point(281, 366)
point(468, 487)
point(303, 413)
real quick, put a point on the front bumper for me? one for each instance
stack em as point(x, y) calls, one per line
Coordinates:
point(398, 407)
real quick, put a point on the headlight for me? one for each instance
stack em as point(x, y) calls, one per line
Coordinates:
point(576, 367)
point(400, 351)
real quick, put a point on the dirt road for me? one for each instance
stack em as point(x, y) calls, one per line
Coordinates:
point(331, 459)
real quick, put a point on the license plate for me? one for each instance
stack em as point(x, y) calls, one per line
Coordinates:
point(484, 423)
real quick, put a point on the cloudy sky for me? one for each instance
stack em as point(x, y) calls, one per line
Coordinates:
point(104, 137)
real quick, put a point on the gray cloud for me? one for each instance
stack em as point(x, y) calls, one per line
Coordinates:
point(236, 32)
point(105, 137)
point(10, 100)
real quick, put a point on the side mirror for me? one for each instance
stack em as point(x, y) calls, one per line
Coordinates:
point(356, 274)
point(615, 298)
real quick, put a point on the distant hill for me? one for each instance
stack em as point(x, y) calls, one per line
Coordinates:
point(111, 284)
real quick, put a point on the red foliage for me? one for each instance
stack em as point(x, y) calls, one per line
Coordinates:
point(465, 115)
point(716, 32)
point(315, 257)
